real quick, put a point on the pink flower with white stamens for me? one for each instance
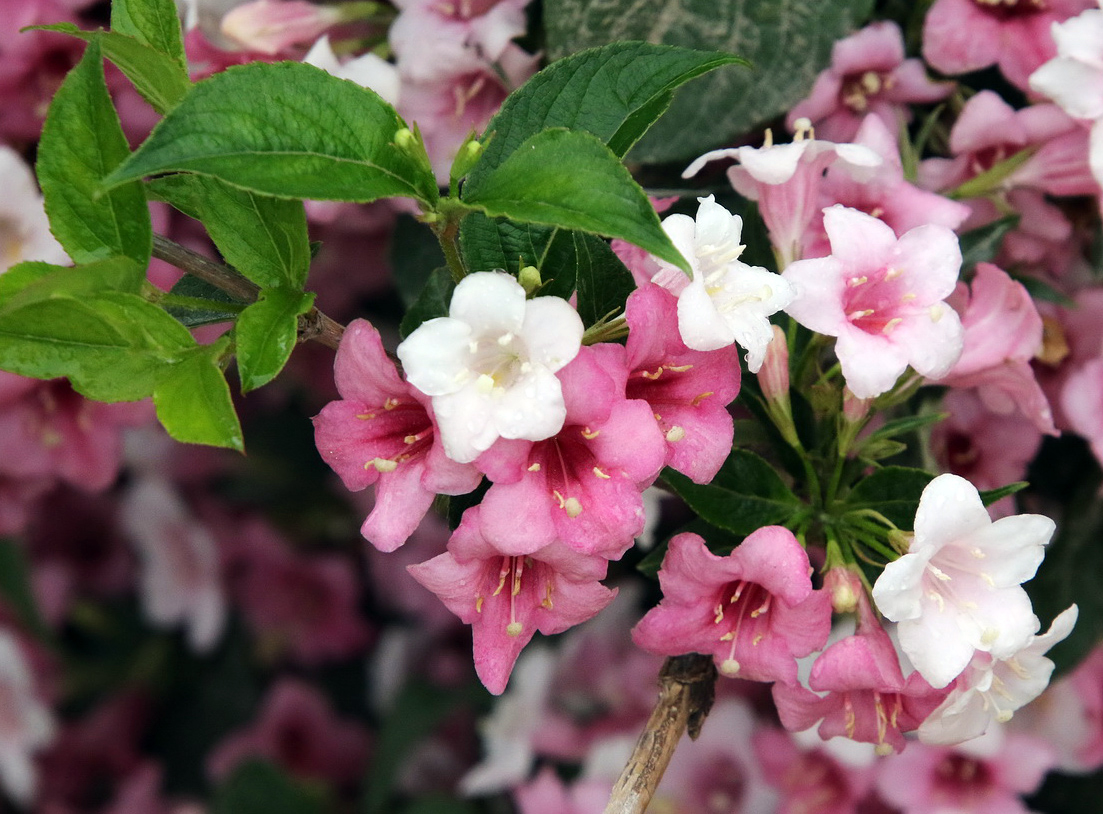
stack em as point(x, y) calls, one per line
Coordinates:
point(382, 432)
point(753, 610)
point(882, 297)
point(688, 391)
point(506, 598)
point(583, 485)
point(959, 588)
point(868, 75)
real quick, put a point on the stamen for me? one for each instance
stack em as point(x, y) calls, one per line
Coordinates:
point(891, 325)
point(589, 434)
point(857, 281)
point(600, 474)
point(699, 398)
point(366, 416)
point(675, 434)
point(572, 507)
point(534, 468)
point(390, 404)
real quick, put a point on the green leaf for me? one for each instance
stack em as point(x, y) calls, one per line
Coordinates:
point(893, 491)
point(603, 281)
point(206, 304)
point(980, 245)
point(33, 281)
point(487, 245)
point(159, 79)
point(433, 302)
point(990, 496)
point(154, 23)
point(193, 401)
point(745, 495)
point(81, 142)
point(264, 238)
point(615, 93)
point(289, 130)
point(266, 333)
point(905, 425)
point(258, 787)
point(787, 41)
point(571, 180)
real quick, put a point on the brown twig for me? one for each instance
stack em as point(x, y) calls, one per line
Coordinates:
point(686, 685)
point(312, 325)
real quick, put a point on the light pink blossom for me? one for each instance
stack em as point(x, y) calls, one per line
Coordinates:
point(273, 26)
point(868, 75)
point(882, 297)
point(754, 610)
point(383, 432)
point(24, 230)
point(489, 367)
point(507, 598)
point(958, 589)
point(809, 778)
point(688, 391)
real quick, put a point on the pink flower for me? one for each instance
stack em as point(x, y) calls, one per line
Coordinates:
point(382, 432)
point(1003, 333)
point(984, 776)
point(960, 36)
point(272, 26)
point(785, 181)
point(507, 598)
point(180, 579)
point(809, 778)
point(959, 588)
point(868, 75)
point(754, 610)
point(688, 391)
point(582, 486)
point(882, 297)
point(297, 730)
point(24, 230)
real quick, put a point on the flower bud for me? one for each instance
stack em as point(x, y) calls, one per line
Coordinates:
point(854, 409)
point(845, 588)
point(270, 27)
point(773, 376)
point(465, 159)
point(529, 277)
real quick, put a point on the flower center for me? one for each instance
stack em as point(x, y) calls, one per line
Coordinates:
point(857, 89)
point(961, 778)
point(751, 602)
point(877, 302)
point(1009, 9)
point(498, 361)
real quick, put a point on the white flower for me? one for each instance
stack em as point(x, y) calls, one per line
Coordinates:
point(959, 588)
point(992, 689)
point(490, 365)
point(724, 301)
point(26, 724)
point(24, 229)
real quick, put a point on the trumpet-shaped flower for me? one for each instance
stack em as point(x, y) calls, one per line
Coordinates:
point(882, 297)
point(958, 590)
point(724, 301)
point(754, 610)
point(490, 365)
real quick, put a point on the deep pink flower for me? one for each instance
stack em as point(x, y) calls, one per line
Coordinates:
point(868, 75)
point(882, 296)
point(506, 598)
point(753, 610)
point(688, 391)
point(582, 486)
point(297, 729)
point(382, 432)
point(960, 36)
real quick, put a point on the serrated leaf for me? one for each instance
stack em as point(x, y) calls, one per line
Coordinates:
point(258, 787)
point(433, 302)
point(209, 304)
point(893, 491)
point(159, 79)
point(285, 129)
point(615, 92)
point(488, 244)
point(154, 23)
point(745, 495)
point(788, 42)
point(571, 180)
point(603, 281)
point(82, 141)
point(193, 402)
point(266, 333)
point(33, 281)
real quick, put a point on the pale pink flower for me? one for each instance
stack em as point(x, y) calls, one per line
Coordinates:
point(367, 70)
point(809, 778)
point(992, 689)
point(24, 230)
point(785, 181)
point(180, 579)
point(882, 296)
point(26, 724)
point(382, 432)
point(507, 598)
point(273, 26)
point(583, 485)
point(297, 729)
point(548, 794)
point(984, 776)
point(959, 588)
point(960, 36)
point(489, 367)
point(688, 390)
point(723, 300)
point(753, 610)
point(868, 75)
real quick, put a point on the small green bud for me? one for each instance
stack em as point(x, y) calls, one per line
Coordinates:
point(465, 159)
point(529, 277)
point(405, 140)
